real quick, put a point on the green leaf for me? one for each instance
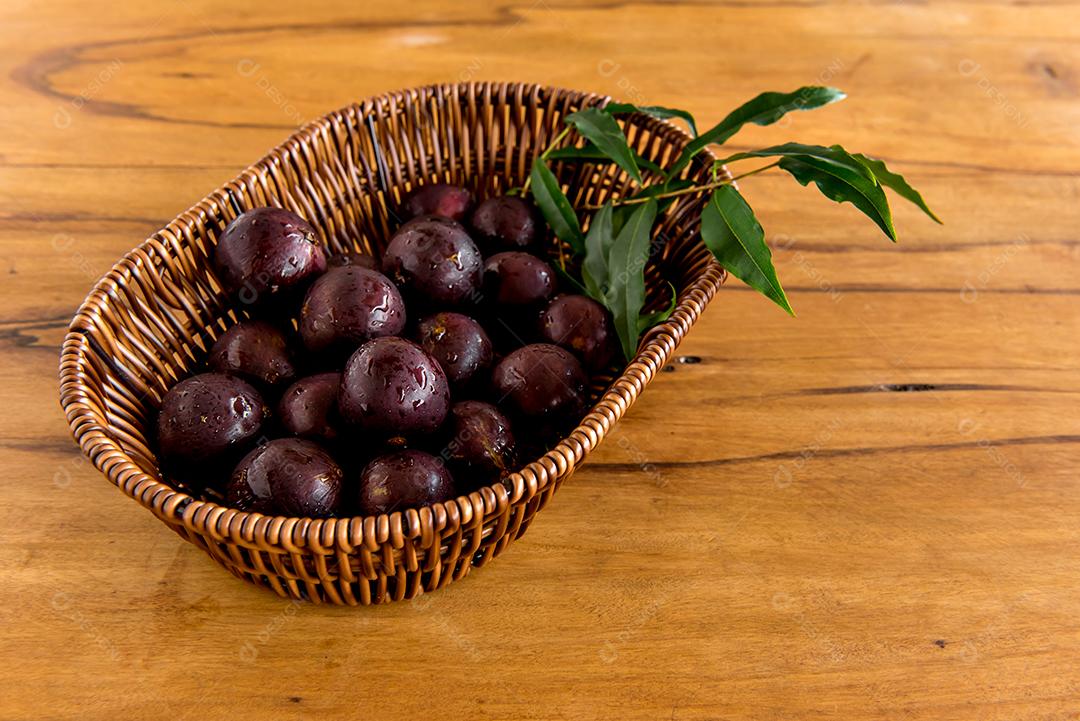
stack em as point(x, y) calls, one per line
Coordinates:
point(593, 154)
point(834, 154)
point(765, 109)
point(625, 295)
point(555, 206)
point(896, 182)
point(839, 186)
point(655, 111)
point(598, 242)
point(621, 215)
point(734, 236)
point(836, 173)
point(605, 133)
point(648, 320)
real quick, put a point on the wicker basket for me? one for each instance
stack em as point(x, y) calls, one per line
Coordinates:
point(154, 315)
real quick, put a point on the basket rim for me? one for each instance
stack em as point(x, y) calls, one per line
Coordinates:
point(297, 534)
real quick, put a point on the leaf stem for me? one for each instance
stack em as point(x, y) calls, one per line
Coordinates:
point(687, 191)
point(547, 151)
point(558, 139)
point(762, 169)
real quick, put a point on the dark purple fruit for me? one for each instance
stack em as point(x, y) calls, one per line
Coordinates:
point(582, 326)
point(542, 383)
point(256, 350)
point(515, 281)
point(434, 261)
point(478, 445)
point(458, 343)
point(287, 477)
point(308, 408)
point(267, 254)
point(442, 199)
point(353, 258)
point(408, 479)
point(348, 306)
point(206, 423)
point(391, 387)
point(505, 223)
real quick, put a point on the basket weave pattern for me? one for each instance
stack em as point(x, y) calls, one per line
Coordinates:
point(152, 318)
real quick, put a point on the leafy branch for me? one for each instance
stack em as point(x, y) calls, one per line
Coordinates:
point(619, 242)
point(692, 189)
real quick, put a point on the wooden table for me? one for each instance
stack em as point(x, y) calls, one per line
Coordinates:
point(872, 511)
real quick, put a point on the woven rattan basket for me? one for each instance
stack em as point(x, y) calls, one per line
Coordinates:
point(154, 315)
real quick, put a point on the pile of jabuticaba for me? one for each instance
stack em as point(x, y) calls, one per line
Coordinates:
point(361, 386)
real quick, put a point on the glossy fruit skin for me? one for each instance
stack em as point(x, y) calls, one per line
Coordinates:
point(435, 262)
point(206, 423)
point(441, 199)
point(504, 223)
point(516, 281)
point(348, 306)
point(257, 351)
point(287, 477)
point(308, 408)
point(478, 444)
point(357, 258)
point(458, 343)
point(391, 387)
point(541, 383)
point(268, 254)
point(398, 481)
point(582, 326)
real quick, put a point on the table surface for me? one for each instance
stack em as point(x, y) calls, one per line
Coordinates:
point(870, 511)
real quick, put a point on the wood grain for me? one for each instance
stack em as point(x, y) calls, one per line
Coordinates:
point(869, 512)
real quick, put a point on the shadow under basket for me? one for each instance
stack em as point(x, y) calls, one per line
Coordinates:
point(153, 317)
